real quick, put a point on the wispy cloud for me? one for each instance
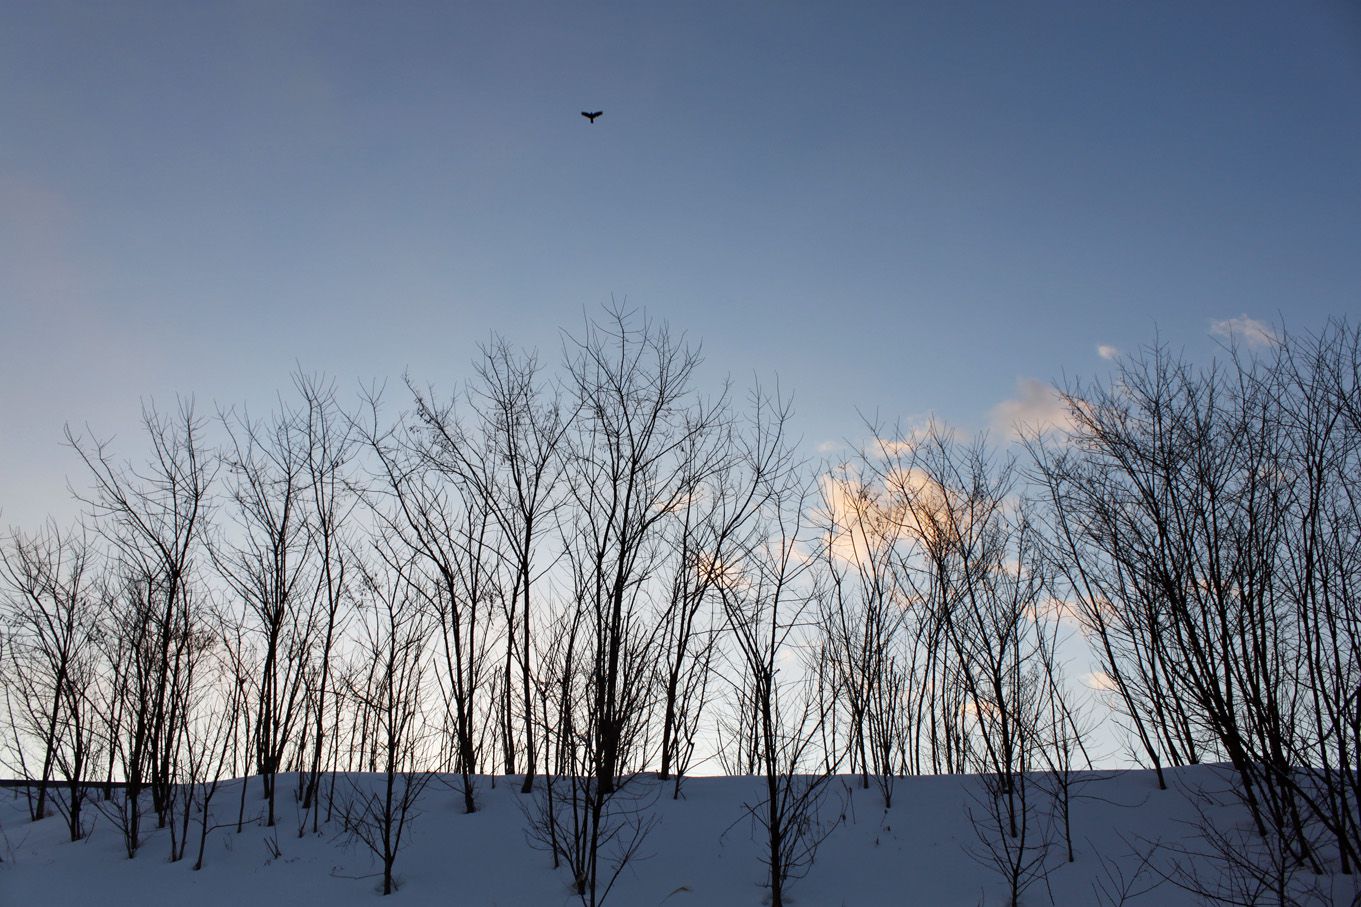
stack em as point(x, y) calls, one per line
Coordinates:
point(1106, 351)
point(1248, 330)
point(1036, 407)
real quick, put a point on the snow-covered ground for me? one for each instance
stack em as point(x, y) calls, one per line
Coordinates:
point(703, 850)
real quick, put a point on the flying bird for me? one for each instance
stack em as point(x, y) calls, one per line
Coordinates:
point(592, 116)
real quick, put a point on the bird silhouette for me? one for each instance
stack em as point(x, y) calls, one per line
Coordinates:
point(592, 116)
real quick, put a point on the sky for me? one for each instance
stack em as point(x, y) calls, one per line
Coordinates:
point(893, 209)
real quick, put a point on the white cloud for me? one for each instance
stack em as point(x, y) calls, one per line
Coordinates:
point(1051, 608)
point(1036, 407)
point(910, 437)
point(1106, 351)
point(829, 447)
point(1101, 681)
point(1248, 330)
point(889, 448)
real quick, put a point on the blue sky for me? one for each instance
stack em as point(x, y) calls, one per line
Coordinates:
point(901, 208)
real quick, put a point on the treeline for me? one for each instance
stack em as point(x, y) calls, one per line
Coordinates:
point(574, 574)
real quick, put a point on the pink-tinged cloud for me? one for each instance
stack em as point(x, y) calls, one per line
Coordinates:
point(1101, 681)
point(1106, 351)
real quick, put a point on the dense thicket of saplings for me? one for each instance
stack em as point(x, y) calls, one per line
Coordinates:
point(580, 572)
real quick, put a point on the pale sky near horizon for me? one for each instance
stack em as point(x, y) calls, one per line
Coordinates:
point(901, 208)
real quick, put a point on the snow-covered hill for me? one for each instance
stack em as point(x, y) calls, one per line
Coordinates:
point(930, 848)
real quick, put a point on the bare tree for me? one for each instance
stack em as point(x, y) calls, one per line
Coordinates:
point(51, 608)
point(331, 446)
point(729, 485)
point(983, 576)
point(863, 618)
point(512, 462)
point(1064, 721)
point(1315, 387)
point(218, 730)
point(154, 520)
point(444, 522)
point(1205, 519)
point(769, 597)
point(595, 830)
point(630, 464)
point(913, 500)
point(198, 739)
point(388, 691)
point(267, 562)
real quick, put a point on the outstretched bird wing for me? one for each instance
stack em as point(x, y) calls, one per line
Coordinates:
point(592, 116)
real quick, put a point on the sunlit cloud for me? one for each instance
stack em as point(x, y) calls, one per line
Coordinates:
point(1052, 608)
point(981, 709)
point(1100, 681)
point(910, 439)
point(1248, 330)
point(890, 449)
point(721, 573)
point(1037, 407)
point(1106, 351)
point(675, 503)
point(862, 521)
point(829, 447)
point(855, 518)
